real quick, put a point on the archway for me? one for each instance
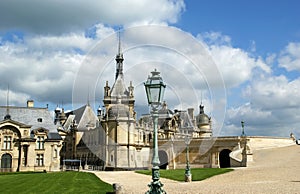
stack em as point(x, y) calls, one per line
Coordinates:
point(163, 158)
point(224, 158)
point(6, 161)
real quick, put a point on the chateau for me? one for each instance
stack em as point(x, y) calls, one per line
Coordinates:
point(114, 139)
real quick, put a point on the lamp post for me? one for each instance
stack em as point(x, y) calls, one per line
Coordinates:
point(188, 174)
point(244, 140)
point(173, 158)
point(243, 130)
point(155, 88)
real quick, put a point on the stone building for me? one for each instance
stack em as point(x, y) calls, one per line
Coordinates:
point(28, 139)
point(112, 139)
point(174, 127)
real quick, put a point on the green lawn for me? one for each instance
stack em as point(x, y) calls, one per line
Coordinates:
point(198, 174)
point(56, 182)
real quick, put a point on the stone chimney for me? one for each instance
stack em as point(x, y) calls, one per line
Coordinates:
point(191, 113)
point(30, 103)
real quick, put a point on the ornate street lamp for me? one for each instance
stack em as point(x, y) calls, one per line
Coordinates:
point(188, 174)
point(244, 142)
point(155, 88)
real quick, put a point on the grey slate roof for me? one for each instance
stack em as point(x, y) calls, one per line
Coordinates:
point(119, 88)
point(79, 113)
point(84, 117)
point(185, 119)
point(54, 136)
point(30, 116)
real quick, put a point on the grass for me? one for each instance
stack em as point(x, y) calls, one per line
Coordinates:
point(198, 174)
point(56, 182)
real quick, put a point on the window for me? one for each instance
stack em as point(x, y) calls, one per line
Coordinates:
point(40, 143)
point(39, 120)
point(7, 142)
point(55, 153)
point(40, 159)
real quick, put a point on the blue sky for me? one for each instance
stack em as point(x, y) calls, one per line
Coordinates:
point(271, 24)
point(46, 46)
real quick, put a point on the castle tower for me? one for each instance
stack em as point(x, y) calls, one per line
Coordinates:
point(119, 89)
point(119, 120)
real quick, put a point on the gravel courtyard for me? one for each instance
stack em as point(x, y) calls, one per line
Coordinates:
point(274, 170)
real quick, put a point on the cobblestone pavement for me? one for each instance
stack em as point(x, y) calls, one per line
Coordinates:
point(274, 170)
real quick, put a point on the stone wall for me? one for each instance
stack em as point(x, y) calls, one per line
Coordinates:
point(261, 142)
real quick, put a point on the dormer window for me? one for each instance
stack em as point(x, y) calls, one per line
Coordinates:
point(39, 120)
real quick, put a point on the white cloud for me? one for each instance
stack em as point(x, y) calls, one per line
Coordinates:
point(14, 98)
point(276, 92)
point(274, 99)
point(290, 57)
point(60, 17)
point(246, 111)
point(169, 50)
point(214, 38)
point(236, 65)
point(273, 110)
point(44, 67)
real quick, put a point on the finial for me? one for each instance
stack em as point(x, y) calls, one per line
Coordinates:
point(119, 57)
point(119, 34)
point(7, 116)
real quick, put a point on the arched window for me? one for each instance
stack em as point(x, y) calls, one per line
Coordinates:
point(6, 161)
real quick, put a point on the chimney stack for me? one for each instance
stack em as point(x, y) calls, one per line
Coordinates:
point(191, 113)
point(30, 103)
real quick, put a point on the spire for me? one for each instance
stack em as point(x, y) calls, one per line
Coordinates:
point(119, 58)
point(7, 116)
point(88, 96)
point(201, 97)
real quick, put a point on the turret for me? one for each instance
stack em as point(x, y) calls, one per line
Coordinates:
point(57, 113)
point(62, 117)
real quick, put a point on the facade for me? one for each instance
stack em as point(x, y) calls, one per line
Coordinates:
point(28, 140)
